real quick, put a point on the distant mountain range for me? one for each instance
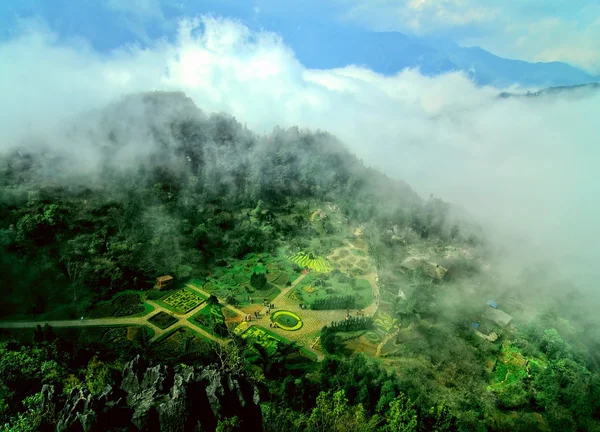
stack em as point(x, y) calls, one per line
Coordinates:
point(322, 46)
point(575, 91)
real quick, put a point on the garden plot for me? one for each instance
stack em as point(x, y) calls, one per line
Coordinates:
point(255, 334)
point(317, 287)
point(183, 301)
point(163, 320)
point(311, 261)
point(351, 260)
point(182, 342)
point(233, 280)
point(211, 319)
point(287, 320)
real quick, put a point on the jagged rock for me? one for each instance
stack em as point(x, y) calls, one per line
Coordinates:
point(158, 398)
point(48, 405)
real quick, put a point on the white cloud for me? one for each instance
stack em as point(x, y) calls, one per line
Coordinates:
point(524, 29)
point(528, 166)
point(420, 16)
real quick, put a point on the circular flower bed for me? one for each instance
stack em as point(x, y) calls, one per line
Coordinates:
point(372, 337)
point(287, 320)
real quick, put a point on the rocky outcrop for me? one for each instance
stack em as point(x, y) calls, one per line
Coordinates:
point(156, 398)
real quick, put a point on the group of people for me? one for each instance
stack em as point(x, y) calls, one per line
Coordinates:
point(358, 313)
point(270, 306)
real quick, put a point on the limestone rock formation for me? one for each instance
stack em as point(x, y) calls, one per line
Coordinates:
point(156, 398)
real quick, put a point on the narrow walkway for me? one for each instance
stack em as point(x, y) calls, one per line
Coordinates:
point(313, 320)
point(125, 321)
point(222, 301)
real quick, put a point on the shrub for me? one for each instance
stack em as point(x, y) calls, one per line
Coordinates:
point(334, 302)
point(258, 280)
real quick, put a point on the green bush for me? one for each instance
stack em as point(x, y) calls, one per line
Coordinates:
point(334, 302)
point(258, 281)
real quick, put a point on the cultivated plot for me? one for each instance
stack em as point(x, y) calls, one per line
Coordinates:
point(183, 301)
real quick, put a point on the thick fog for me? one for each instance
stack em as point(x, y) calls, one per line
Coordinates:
point(525, 167)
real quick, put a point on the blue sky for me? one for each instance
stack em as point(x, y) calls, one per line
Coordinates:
point(527, 167)
point(532, 30)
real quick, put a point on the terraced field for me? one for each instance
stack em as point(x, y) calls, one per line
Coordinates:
point(311, 261)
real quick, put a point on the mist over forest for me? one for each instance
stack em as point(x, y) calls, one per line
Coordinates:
point(219, 154)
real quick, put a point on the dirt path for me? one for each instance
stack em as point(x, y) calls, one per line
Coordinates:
point(125, 321)
point(98, 322)
point(313, 320)
point(222, 301)
point(183, 321)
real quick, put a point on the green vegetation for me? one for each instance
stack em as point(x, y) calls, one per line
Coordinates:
point(268, 340)
point(239, 216)
point(334, 291)
point(332, 342)
point(385, 322)
point(359, 252)
point(163, 320)
point(372, 337)
point(211, 319)
point(182, 344)
point(183, 301)
point(255, 275)
point(311, 261)
point(128, 303)
point(287, 320)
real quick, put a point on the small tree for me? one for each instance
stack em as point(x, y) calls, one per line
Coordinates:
point(259, 277)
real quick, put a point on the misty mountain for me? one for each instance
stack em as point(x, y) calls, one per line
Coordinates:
point(324, 47)
point(92, 211)
point(577, 91)
point(156, 184)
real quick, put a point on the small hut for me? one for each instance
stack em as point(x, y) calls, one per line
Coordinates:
point(161, 281)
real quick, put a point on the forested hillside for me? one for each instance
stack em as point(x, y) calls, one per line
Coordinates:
point(93, 212)
point(152, 185)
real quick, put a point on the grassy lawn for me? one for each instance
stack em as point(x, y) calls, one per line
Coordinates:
point(241, 293)
point(182, 342)
point(269, 340)
point(287, 320)
point(211, 320)
point(316, 286)
point(182, 301)
point(163, 320)
point(263, 337)
point(511, 366)
point(156, 294)
point(148, 308)
point(359, 252)
point(234, 278)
